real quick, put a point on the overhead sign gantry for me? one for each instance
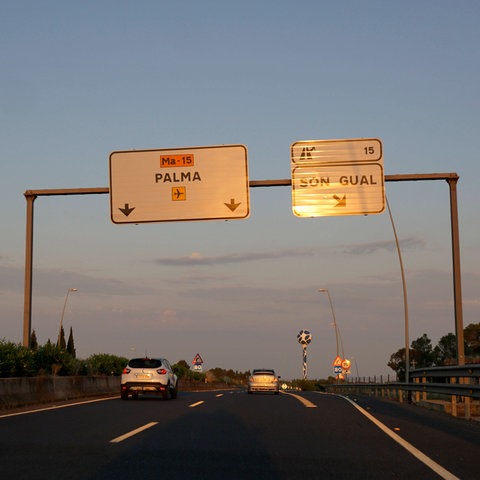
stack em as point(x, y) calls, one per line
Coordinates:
point(354, 163)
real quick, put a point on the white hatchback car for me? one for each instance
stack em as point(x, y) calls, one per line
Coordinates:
point(264, 380)
point(148, 375)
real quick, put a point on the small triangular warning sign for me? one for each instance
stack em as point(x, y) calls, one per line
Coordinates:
point(197, 360)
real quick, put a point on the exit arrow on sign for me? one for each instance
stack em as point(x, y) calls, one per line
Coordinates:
point(126, 210)
point(232, 205)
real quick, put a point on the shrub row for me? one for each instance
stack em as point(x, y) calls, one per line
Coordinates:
point(49, 359)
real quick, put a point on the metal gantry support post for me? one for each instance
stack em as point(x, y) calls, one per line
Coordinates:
point(457, 279)
point(30, 196)
point(27, 300)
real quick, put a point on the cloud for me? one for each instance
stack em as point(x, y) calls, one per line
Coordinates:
point(388, 245)
point(57, 281)
point(196, 258)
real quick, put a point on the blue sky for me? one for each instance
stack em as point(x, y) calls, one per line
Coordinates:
point(82, 79)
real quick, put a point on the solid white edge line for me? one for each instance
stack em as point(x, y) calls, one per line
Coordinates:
point(56, 407)
point(445, 474)
point(121, 438)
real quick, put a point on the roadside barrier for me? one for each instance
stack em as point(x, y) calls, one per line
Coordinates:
point(454, 389)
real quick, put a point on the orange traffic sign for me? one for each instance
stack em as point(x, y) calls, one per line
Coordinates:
point(337, 362)
point(346, 364)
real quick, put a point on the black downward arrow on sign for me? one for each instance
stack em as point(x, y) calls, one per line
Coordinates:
point(126, 210)
point(232, 205)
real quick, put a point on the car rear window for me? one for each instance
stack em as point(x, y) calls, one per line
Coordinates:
point(145, 363)
point(263, 372)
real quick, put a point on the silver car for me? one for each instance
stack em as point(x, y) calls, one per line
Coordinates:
point(264, 380)
point(148, 375)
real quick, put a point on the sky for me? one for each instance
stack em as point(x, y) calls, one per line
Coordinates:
point(80, 80)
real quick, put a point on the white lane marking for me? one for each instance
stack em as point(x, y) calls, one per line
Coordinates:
point(196, 404)
point(219, 395)
point(306, 402)
point(408, 446)
point(55, 407)
point(121, 438)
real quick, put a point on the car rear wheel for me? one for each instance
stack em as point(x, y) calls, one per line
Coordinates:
point(124, 395)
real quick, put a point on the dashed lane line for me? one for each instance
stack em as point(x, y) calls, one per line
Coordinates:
point(121, 438)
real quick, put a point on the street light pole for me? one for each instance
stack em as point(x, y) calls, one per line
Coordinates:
point(325, 290)
point(63, 313)
point(405, 301)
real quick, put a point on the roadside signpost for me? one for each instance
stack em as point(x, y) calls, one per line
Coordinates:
point(194, 183)
point(337, 177)
point(337, 366)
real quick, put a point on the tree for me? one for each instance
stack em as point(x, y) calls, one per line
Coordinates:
point(106, 364)
point(181, 369)
point(33, 340)
point(472, 339)
point(422, 352)
point(71, 345)
point(218, 374)
point(445, 353)
point(61, 339)
point(51, 359)
point(397, 363)
point(15, 360)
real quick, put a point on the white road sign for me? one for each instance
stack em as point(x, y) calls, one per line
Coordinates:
point(337, 177)
point(337, 151)
point(194, 183)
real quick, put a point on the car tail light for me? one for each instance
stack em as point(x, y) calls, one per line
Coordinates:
point(161, 371)
point(126, 370)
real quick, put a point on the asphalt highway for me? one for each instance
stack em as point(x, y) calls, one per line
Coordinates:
point(233, 435)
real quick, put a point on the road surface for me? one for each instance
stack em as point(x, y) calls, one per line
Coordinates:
point(233, 435)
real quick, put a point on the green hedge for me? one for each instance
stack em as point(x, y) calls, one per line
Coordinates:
point(49, 359)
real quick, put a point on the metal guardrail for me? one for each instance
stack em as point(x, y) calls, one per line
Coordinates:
point(461, 380)
point(470, 370)
point(458, 381)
